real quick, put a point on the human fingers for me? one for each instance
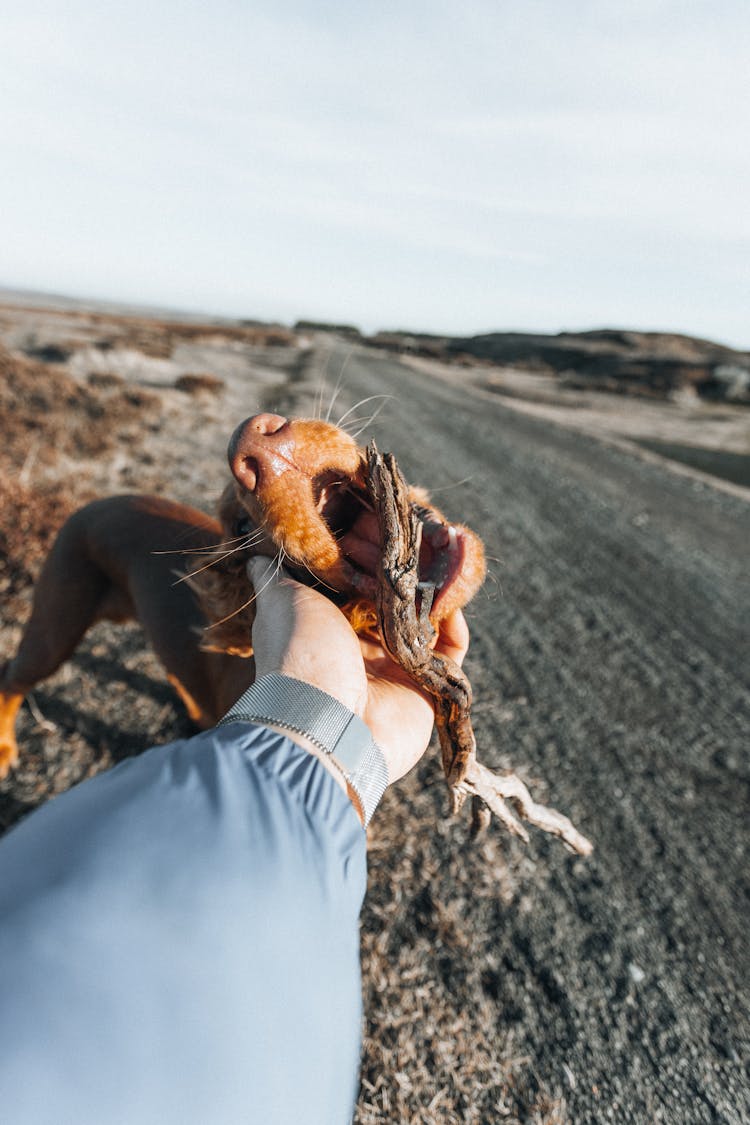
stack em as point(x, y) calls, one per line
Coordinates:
point(263, 572)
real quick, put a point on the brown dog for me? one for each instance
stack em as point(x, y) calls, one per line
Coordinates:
point(298, 492)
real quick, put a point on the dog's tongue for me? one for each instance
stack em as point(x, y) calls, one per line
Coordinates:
point(437, 552)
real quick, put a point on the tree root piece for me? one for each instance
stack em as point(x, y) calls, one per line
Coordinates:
point(407, 634)
point(492, 790)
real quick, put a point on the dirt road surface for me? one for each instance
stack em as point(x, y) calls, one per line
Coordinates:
point(609, 660)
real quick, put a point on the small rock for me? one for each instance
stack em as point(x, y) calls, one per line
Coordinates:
point(570, 1076)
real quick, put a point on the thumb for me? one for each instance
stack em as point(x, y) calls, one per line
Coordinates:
point(453, 638)
point(262, 572)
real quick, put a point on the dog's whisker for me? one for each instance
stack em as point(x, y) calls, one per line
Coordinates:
point(361, 422)
point(248, 541)
point(249, 602)
point(207, 566)
point(272, 576)
point(355, 422)
point(254, 537)
point(319, 580)
point(454, 484)
point(244, 542)
point(200, 550)
point(318, 411)
point(229, 616)
point(337, 388)
point(369, 421)
point(362, 401)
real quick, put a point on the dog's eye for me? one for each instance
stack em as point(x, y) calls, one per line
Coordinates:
point(242, 527)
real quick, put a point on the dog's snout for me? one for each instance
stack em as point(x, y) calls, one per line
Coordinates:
point(245, 470)
point(257, 440)
point(266, 423)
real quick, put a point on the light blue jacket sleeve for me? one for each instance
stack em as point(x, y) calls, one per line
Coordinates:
point(179, 942)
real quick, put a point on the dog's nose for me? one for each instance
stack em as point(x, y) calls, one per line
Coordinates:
point(265, 423)
point(247, 448)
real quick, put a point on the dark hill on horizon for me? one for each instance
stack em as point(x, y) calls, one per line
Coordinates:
point(653, 364)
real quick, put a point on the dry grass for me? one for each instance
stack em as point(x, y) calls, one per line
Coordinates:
point(47, 414)
point(194, 384)
point(53, 429)
point(29, 519)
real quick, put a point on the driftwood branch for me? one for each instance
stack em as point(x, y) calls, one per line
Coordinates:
point(407, 634)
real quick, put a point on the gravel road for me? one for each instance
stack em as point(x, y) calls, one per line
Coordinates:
point(610, 659)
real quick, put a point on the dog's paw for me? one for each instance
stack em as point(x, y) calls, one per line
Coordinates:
point(8, 755)
point(9, 704)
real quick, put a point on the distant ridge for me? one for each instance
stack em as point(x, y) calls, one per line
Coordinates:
point(655, 364)
point(619, 360)
point(57, 301)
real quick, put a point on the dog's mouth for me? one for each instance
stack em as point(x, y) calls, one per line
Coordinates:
point(339, 501)
point(442, 553)
point(345, 507)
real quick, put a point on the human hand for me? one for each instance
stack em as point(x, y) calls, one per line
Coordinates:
point(299, 632)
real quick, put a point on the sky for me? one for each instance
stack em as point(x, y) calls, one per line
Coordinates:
point(456, 167)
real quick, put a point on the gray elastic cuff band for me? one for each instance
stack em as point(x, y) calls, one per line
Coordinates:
point(333, 728)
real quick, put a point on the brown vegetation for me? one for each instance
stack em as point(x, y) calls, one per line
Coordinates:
point(29, 520)
point(53, 426)
point(193, 384)
point(46, 413)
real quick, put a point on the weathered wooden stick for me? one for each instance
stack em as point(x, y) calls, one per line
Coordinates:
point(407, 634)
